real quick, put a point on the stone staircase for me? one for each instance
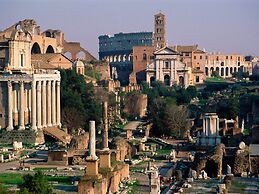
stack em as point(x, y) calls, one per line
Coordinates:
point(58, 134)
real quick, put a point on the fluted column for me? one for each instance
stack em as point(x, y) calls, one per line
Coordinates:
point(53, 107)
point(49, 104)
point(58, 104)
point(22, 107)
point(39, 104)
point(10, 106)
point(33, 105)
point(44, 105)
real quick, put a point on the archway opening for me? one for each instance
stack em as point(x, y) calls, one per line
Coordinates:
point(50, 49)
point(152, 80)
point(207, 71)
point(181, 81)
point(80, 55)
point(211, 168)
point(68, 55)
point(167, 80)
point(35, 48)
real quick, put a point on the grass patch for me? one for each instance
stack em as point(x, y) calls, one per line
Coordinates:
point(10, 178)
point(44, 169)
point(163, 151)
point(237, 186)
point(133, 187)
point(215, 79)
point(16, 179)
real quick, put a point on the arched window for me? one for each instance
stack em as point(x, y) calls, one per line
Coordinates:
point(80, 55)
point(222, 72)
point(35, 48)
point(68, 55)
point(207, 71)
point(226, 70)
point(144, 56)
point(50, 49)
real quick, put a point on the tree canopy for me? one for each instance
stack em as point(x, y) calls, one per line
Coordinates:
point(35, 184)
point(78, 104)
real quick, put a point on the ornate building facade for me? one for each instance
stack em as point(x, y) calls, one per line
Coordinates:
point(166, 67)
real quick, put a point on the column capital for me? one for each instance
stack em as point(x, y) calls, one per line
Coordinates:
point(58, 83)
point(9, 83)
point(44, 82)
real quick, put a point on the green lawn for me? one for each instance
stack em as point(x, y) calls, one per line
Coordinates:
point(15, 179)
point(215, 79)
point(163, 151)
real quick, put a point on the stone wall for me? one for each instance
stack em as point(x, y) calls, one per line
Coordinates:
point(25, 136)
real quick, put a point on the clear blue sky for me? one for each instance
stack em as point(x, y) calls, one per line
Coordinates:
point(230, 26)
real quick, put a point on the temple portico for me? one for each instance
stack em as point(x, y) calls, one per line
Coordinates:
point(35, 98)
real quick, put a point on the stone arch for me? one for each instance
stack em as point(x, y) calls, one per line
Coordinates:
point(211, 70)
point(152, 80)
point(222, 71)
point(181, 81)
point(231, 70)
point(50, 49)
point(35, 48)
point(115, 58)
point(68, 55)
point(124, 57)
point(119, 58)
point(167, 80)
point(80, 55)
point(48, 34)
point(235, 69)
point(226, 71)
point(207, 71)
point(217, 70)
point(131, 57)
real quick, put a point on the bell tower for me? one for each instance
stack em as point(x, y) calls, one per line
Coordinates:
point(160, 31)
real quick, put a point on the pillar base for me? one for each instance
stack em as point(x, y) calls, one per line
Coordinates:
point(21, 128)
point(105, 158)
point(92, 167)
point(9, 128)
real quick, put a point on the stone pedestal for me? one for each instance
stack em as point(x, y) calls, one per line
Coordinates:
point(92, 168)
point(105, 159)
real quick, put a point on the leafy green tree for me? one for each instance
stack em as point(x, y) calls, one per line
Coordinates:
point(35, 184)
point(168, 118)
point(3, 190)
point(78, 101)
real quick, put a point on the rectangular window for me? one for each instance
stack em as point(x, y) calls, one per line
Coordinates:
point(200, 57)
point(226, 57)
point(194, 57)
point(197, 79)
point(167, 65)
point(187, 54)
point(22, 60)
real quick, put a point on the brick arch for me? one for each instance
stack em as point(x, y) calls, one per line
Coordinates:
point(74, 48)
point(50, 49)
point(35, 49)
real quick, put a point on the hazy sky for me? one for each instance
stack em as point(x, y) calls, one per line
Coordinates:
point(230, 26)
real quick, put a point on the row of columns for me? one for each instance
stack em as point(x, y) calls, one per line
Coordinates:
point(45, 104)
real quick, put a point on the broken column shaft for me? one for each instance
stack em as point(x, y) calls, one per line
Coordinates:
point(105, 129)
point(92, 141)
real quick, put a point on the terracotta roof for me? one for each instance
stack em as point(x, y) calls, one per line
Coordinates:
point(42, 61)
point(184, 49)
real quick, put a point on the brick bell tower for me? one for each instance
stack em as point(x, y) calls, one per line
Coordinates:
point(160, 31)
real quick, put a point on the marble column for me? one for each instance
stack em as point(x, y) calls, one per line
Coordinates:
point(58, 104)
point(44, 105)
point(105, 127)
point(39, 104)
point(49, 104)
point(33, 105)
point(10, 106)
point(22, 107)
point(92, 155)
point(53, 107)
